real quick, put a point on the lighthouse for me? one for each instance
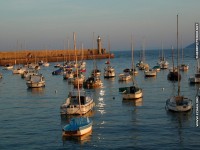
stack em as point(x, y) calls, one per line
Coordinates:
point(99, 45)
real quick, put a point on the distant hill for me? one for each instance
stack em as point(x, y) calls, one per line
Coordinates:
point(193, 45)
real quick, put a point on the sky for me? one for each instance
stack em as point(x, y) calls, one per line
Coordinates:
point(49, 24)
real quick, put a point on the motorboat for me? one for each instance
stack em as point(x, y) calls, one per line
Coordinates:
point(19, 70)
point(150, 73)
point(131, 93)
point(78, 126)
point(8, 67)
point(36, 81)
point(124, 77)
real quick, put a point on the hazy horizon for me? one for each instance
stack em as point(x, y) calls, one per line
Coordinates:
point(48, 24)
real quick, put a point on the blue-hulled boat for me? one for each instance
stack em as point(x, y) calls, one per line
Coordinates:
point(78, 127)
point(57, 72)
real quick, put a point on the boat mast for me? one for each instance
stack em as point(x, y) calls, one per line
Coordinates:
point(79, 99)
point(173, 59)
point(162, 51)
point(132, 53)
point(109, 50)
point(94, 61)
point(182, 48)
point(178, 60)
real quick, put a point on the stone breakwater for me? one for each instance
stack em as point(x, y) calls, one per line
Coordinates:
point(29, 56)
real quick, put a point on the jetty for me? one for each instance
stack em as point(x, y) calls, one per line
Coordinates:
point(30, 56)
point(34, 56)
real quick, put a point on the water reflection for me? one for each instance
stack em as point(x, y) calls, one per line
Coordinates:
point(136, 102)
point(101, 104)
point(127, 81)
point(36, 91)
point(179, 120)
point(77, 139)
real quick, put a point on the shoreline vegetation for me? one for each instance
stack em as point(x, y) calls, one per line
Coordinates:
point(30, 56)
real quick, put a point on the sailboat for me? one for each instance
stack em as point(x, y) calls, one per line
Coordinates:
point(18, 69)
point(79, 78)
point(196, 77)
point(46, 64)
point(133, 70)
point(95, 72)
point(163, 63)
point(78, 126)
point(128, 72)
point(109, 71)
point(132, 92)
point(173, 74)
point(183, 67)
point(141, 64)
point(178, 103)
point(77, 102)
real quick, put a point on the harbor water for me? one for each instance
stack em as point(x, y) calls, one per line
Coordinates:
point(30, 118)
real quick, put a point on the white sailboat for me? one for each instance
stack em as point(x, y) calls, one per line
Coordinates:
point(183, 67)
point(109, 71)
point(46, 64)
point(77, 102)
point(78, 126)
point(126, 76)
point(141, 64)
point(163, 63)
point(133, 92)
point(178, 103)
point(79, 78)
point(72, 106)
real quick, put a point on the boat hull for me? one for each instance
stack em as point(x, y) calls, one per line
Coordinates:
point(174, 76)
point(130, 96)
point(67, 109)
point(35, 85)
point(78, 127)
point(194, 80)
point(123, 77)
point(183, 106)
point(150, 74)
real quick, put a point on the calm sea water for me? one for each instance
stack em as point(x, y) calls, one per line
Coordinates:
point(30, 118)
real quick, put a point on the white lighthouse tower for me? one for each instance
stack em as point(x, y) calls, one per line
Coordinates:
point(99, 45)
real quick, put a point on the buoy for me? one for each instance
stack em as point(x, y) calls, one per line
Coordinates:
point(55, 91)
point(163, 89)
